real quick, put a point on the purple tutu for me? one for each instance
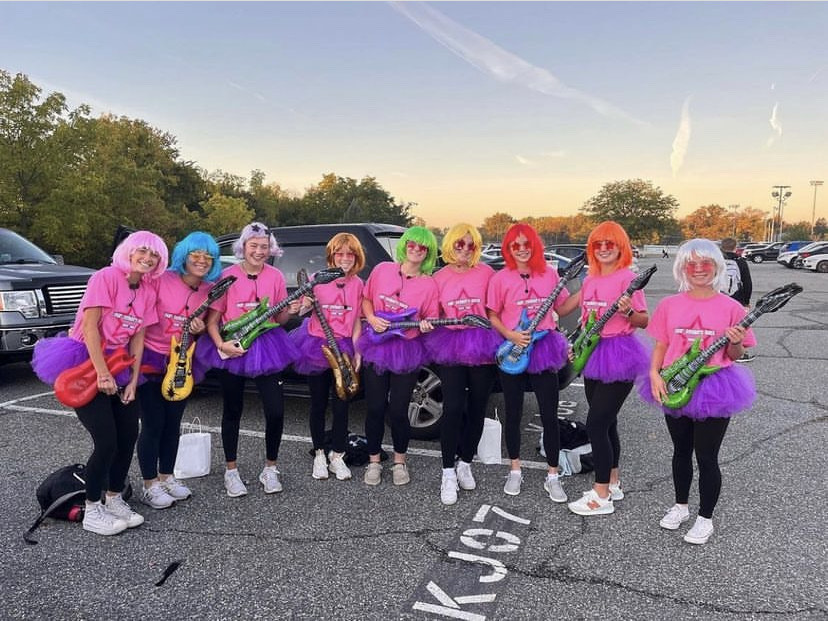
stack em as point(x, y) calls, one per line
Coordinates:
point(396, 354)
point(311, 360)
point(469, 347)
point(720, 395)
point(549, 353)
point(158, 362)
point(618, 359)
point(53, 355)
point(271, 352)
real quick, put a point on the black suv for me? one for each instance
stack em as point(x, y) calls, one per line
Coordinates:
point(763, 253)
point(39, 296)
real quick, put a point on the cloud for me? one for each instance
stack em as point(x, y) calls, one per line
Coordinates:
point(775, 125)
point(682, 139)
point(525, 162)
point(493, 60)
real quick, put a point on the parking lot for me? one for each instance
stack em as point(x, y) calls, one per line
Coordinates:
point(331, 549)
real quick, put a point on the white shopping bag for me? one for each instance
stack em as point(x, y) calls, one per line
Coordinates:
point(194, 453)
point(488, 449)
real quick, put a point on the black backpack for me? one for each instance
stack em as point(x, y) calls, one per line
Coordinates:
point(62, 495)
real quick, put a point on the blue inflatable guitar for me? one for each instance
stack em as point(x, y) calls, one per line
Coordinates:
point(514, 359)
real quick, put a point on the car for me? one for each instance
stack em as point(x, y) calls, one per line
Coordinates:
point(39, 296)
point(304, 247)
point(744, 247)
point(768, 252)
point(811, 250)
point(570, 251)
point(816, 262)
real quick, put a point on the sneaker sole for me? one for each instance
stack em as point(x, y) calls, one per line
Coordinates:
point(588, 512)
point(697, 541)
point(511, 493)
point(468, 488)
point(558, 500)
point(372, 483)
point(320, 478)
point(671, 526)
point(238, 495)
point(101, 531)
point(344, 478)
point(157, 507)
point(448, 504)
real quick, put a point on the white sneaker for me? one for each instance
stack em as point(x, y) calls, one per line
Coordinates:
point(513, 481)
point(616, 493)
point(270, 479)
point(156, 497)
point(98, 520)
point(233, 483)
point(464, 476)
point(448, 488)
point(175, 488)
point(373, 473)
point(701, 531)
point(555, 490)
point(675, 517)
point(320, 465)
point(592, 504)
point(118, 507)
point(338, 466)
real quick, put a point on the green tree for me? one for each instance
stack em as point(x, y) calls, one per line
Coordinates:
point(797, 231)
point(820, 228)
point(223, 214)
point(641, 208)
point(342, 199)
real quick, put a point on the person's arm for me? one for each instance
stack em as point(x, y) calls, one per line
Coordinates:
point(747, 283)
point(518, 338)
point(232, 349)
point(92, 339)
point(571, 303)
point(136, 348)
point(657, 385)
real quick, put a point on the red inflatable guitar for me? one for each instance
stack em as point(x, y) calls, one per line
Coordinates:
point(78, 385)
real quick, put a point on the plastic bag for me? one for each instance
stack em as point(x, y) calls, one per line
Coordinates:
point(194, 453)
point(488, 449)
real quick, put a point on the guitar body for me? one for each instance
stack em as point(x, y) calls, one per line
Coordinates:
point(682, 396)
point(584, 345)
point(239, 322)
point(178, 380)
point(513, 359)
point(379, 337)
point(78, 385)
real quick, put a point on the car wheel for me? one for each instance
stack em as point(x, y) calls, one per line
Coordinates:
point(797, 264)
point(425, 411)
point(822, 267)
point(757, 258)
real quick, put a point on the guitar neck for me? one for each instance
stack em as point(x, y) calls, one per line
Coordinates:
point(707, 353)
point(608, 314)
point(547, 304)
point(402, 325)
point(330, 337)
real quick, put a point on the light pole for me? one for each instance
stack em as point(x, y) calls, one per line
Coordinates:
point(781, 192)
point(735, 208)
point(816, 184)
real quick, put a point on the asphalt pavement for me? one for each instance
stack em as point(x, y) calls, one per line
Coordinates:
point(332, 549)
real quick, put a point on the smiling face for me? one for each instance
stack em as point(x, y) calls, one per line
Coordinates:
point(521, 250)
point(464, 250)
point(415, 253)
point(344, 257)
point(198, 263)
point(700, 271)
point(143, 260)
point(606, 252)
point(256, 251)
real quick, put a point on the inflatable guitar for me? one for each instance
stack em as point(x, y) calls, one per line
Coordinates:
point(346, 380)
point(587, 340)
point(402, 321)
point(77, 386)
point(178, 380)
point(684, 374)
point(514, 359)
point(254, 322)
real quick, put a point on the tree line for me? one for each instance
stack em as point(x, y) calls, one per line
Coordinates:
point(68, 180)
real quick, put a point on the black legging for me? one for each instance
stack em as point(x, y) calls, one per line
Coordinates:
point(605, 401)
point(273, 404)
point(160, 428)
point(704, 437)
point(545, 387)
point(391, 392)
point(114, 428)
point(320, 389)
point(465, 396)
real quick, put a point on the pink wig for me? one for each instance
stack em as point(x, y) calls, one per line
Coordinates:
point(122, 256)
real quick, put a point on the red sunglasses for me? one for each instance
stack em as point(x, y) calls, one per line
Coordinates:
point(460, 244)
point(517, 246)
point(606, 243)
point(412, 245)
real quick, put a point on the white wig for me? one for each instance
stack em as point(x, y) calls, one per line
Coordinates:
point(702, 249)
point(255, 229)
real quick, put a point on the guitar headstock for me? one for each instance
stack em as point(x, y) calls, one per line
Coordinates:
point(327, 275)
point(776, 299)
point(477, 321)
point(302, 277)
point(220, 288)
point(576, 265)
point(640, 281)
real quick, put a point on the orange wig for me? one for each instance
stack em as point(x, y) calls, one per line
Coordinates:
point(614, 232)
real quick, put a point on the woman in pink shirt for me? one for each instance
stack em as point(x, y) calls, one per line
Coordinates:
point(699, 311)
point(396, 291)
point(523, 285)
point(119, 304)
point(179, 292)
point(465, 355)
point(618, 359)
point(267, 355)
point(340, 304)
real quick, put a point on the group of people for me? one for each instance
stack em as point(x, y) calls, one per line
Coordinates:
point(407, 314)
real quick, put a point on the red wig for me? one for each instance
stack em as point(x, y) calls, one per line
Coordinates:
point(614, 232)
point(537, 263)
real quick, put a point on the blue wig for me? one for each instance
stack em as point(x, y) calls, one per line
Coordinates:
point(194, 242)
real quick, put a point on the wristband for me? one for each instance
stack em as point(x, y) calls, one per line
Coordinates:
point(629, 313)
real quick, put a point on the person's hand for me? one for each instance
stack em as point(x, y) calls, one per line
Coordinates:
point(106, 384)
point(128, 393)
point(520, 338)
point(197, 326)
point(736, 334)
point(657, 386)
point(378, 323)
point(231, 349)
point(624, 304)
point(425, 326)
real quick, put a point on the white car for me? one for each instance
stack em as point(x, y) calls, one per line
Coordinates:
point(816, 263)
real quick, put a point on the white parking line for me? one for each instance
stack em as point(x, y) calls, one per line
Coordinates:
point(13, 406)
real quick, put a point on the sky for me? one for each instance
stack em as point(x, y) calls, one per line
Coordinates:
point(464, 108)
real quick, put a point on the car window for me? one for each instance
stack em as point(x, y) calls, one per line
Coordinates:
point(16, 249)
point(311, 257)
point(389, 243)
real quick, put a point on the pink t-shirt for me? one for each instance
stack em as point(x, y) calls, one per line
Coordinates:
point(246, 292)
point(463, 294)
point(176, 301)
point(124, 311)
point(509, 293)
point(391, 292)
point(341, 303)
point(599, 292)
point(679, 320)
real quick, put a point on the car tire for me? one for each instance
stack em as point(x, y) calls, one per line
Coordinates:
point(822, 267)
point(425, 410)
point(757, 258)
